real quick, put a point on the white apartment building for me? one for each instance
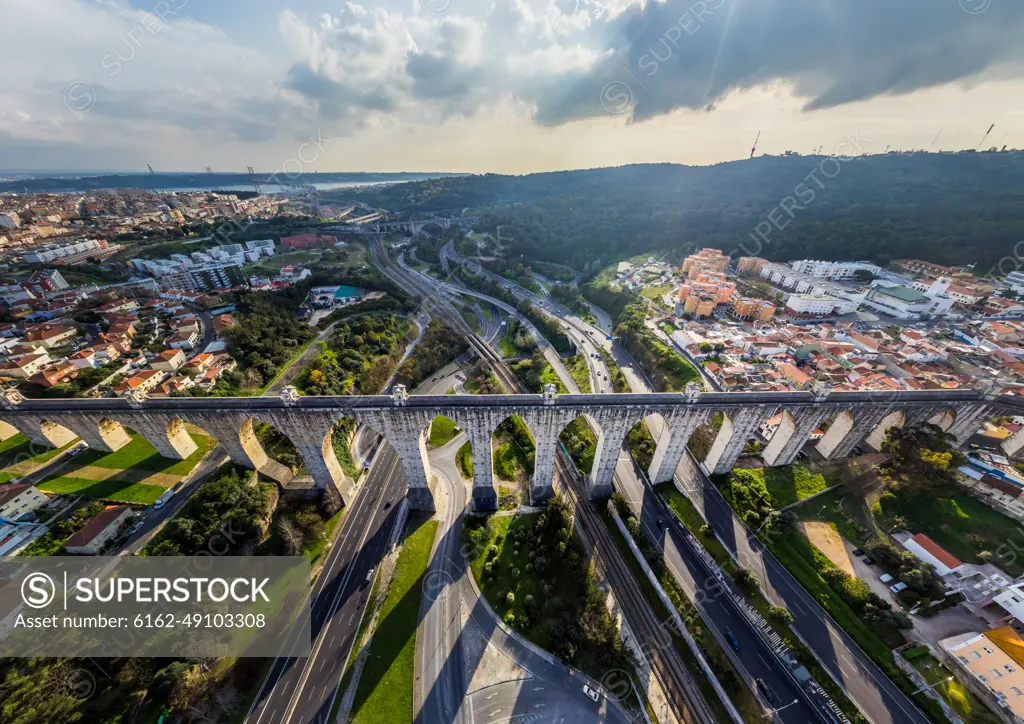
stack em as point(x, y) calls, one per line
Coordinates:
point(1015, 281)
point(18, 499)
point(906, 303)
point(835, 270)
point(52, 253)
point(820, 305)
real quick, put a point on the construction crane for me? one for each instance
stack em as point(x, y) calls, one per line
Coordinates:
point(936, 137)
point(986, 135)
point(151, 171)
point(255, 183)
point(209, 170)
point(754, 148)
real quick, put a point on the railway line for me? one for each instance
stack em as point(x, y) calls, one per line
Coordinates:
point(687, 702)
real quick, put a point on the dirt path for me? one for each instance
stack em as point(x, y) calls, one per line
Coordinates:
point(827, 539)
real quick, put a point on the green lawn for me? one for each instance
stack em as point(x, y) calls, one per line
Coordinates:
point(580, 372)
point(18, 450)
point(136, 455)
point(963, 702)
point(442, 431)
point(508, 346)
point(656, 292)
point(464, 459)
point(384, 695)
point(789, 484)
point(549, 376)
point(963, 526)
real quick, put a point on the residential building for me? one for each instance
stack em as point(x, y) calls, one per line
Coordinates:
point(85, 358)
point(143, 381)
point(931, 552)
point(90, 539)
point(183, 340)
point(815, 305)
point(55, 374)
point(50, 335)
point(835, 270)
point(928, 268)
point(222, 322)
point(995, 660)
point(264, 246)
point(200, 363)
point(24, 366)
point(47, 254)
point(9, 221)
point(796, 376)
point(180, 382)
point(753, 309)
point(18, 499)
point(750, 266)
point(1015, 281)
point(700, 305)
point(48, 280)
point(705, 260)
point(169, 360)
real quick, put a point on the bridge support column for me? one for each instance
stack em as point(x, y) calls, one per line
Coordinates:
point(542, 485)
point(672, 445)
point(610, 436)
point(877, 436)
point(171, 439)
point(737, 429)
point(105, 436)
point(791, 436)
point(7, 431)
point(45, 432)
point(323, 467)
point(484, 497)
point(968, 421)
point(847, 431)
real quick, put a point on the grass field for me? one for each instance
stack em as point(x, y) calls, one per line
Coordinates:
point(963, 526)
point(464, 459)
point(385, 688)
point(963, 702)
point(18, 456)
point(549, 376)
point(508, 346)
point(134, 474)
point(789, 484)
point(655, 292)
point(442, 431)
point(275, 263)
point(580, 372)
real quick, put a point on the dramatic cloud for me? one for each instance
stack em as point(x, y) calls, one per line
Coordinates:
point(690, 54)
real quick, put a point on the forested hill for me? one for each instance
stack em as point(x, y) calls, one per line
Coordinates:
point(948, 208)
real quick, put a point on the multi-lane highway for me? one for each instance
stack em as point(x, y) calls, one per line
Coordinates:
point(302, 690)
point(865, 684)
point(873, 693)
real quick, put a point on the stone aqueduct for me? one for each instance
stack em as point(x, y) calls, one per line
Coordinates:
point(403, 421)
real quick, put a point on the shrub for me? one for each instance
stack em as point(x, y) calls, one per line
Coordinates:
point(780, 614)
point(510, 598)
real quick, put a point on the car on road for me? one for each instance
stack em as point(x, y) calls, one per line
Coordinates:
point(661, 524)
point(765, 690)
point(857, 552)
point(590, 692)
point(369, 573)
point(869, 560)
point(136, 528)
point(731, 638)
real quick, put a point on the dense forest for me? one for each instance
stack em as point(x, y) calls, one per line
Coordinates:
point(439, 346)
point(948, 208)
point(359, 358)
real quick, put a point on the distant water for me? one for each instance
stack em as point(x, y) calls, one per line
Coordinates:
point(277, 188)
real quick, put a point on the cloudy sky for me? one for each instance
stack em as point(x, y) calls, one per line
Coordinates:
point(508, 86)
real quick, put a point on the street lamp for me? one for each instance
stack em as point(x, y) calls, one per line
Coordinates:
point(776, 711)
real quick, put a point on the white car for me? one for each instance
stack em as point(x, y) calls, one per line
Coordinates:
point(594, 696)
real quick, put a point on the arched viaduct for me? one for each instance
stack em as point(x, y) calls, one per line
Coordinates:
point(853, 418)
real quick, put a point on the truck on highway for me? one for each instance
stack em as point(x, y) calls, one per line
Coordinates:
point(162, 500)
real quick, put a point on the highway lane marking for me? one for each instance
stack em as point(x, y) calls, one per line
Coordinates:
point(319, 588)
point(333, 607)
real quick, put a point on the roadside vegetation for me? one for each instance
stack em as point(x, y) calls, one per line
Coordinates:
point(534, 573)
point(438, 346)
point(780, 618)
point(464, 459)
point(667, 370)
point(536, 372)
point(385, 691)
point(442, 431)
point(581, 443)
point(226, 502)
point(481, 380)
point(580, 371)
point(618, 379)
point(359, 358)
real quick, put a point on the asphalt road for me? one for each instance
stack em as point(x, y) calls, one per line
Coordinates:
point(302, 690)
point(754, 659)
point(552, 693)
point(872, 692)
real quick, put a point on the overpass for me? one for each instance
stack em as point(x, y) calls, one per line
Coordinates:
point(404, 421)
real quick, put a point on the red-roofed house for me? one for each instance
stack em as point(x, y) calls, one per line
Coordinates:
point(90, 538)
point(168, 360)
point(931, 552)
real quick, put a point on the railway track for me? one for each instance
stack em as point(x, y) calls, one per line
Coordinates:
point(687, 702)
